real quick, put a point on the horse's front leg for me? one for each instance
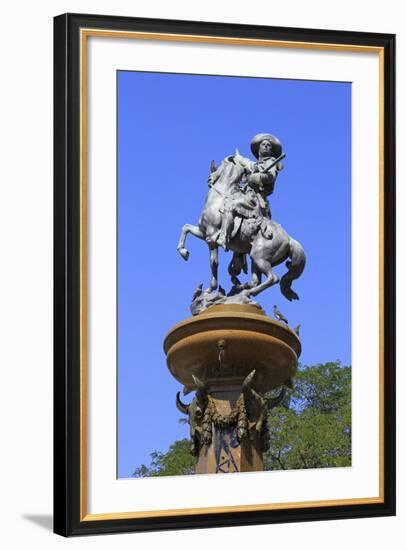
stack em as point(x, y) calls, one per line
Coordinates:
point(214, 264)
point(188, 228)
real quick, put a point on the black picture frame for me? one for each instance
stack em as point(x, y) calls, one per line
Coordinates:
point(68, 519)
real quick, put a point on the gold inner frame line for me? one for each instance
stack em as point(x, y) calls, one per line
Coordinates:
point(84, 34)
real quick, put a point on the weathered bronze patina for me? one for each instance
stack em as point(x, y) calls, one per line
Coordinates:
point(230, 352)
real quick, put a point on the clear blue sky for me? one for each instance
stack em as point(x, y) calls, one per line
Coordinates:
point(170, 127)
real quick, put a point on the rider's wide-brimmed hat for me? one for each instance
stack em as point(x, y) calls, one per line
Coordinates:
point(276, 144)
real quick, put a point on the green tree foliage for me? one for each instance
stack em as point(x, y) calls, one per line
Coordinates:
point(315, 430)
point(310, 429)
point(176, 461)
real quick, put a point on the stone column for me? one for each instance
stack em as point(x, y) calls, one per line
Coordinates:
point(231, 355)
point(226, 454)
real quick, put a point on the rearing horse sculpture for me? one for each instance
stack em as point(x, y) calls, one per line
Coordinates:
point(264, 240)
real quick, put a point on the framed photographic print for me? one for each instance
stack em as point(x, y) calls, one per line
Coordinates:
point(207, 176)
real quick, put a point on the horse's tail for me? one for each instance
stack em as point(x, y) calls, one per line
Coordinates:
point(295, 265)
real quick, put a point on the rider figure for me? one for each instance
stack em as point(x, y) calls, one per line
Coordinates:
point(259, 178)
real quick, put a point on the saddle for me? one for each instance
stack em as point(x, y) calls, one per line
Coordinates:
point(252, 226)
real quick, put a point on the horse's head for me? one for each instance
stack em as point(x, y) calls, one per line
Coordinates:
point(230, 174)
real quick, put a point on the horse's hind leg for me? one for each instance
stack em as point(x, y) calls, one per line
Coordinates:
point(214, 264)
point(256, 274)
point(188, 228)
point(235, 267)
point(264, 267)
